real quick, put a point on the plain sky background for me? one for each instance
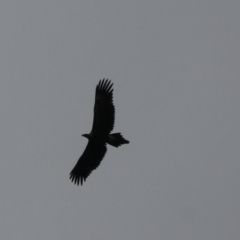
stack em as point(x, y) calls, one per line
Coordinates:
point(175, 67)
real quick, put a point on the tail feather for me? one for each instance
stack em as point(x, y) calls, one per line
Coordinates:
point(116, 139)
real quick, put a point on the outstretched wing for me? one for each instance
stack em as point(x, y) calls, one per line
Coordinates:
point(104, 112)
point(89, 161)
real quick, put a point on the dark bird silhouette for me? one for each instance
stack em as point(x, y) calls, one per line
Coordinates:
point(103, 123)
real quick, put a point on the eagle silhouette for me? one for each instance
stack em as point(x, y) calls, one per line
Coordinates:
point(103, 123)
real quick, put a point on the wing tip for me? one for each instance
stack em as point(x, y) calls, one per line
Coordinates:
point(76, 179)
point(105, 85)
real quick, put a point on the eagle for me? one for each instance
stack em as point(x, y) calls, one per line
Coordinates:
point(100, 135)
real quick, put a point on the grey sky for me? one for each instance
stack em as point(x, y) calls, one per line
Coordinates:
point(175, 67)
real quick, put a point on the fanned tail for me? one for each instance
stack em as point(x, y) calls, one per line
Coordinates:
point(116, 139)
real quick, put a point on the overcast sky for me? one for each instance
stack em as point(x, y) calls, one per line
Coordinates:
point(175, 67)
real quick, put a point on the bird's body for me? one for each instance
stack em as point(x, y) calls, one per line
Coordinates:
point(103, 123)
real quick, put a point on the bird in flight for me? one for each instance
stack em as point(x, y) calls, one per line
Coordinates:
point(100, 135)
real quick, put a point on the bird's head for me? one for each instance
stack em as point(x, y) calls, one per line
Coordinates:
point(86, 135)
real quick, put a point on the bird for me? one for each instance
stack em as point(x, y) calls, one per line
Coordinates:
point(100, 135)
